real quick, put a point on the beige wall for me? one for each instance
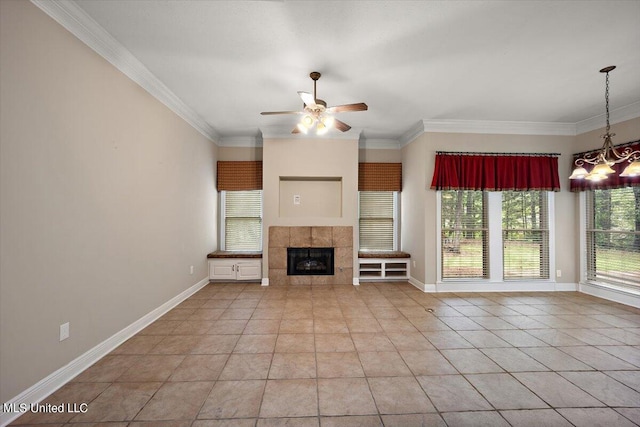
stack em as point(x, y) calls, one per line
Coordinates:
point(106, 197)
point(414, 239)
point(379, 156)
point(419, 201)
point(304, 157)
point(239, 154)
point(316, 198)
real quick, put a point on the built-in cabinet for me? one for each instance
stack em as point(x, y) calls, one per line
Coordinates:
point(232, 269)
point(384, 268)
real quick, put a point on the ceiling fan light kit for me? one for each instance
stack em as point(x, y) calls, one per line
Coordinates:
point(607, 156)
point(316, 115)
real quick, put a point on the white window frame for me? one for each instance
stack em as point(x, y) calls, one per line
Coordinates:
point(548, 230)
point(396, 220)
point(495, 255)
point(222, 223)
point(611, 291)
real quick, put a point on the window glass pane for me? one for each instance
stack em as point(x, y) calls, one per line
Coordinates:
point(376, 220)
point(525, 235)
point(243, 220)
point(613, 236)
point(464, 234)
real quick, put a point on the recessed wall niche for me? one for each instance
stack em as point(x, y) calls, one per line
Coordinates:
point(310, 197)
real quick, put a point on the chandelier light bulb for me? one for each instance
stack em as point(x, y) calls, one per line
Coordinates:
point(579, 173)
point(302, 128)
point(321, 129)
point(602, 168)
point(596, 177)
point(328, 121)
point(632, 170)
point(307, 121)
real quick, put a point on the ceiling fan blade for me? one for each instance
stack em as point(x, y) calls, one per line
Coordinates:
point(307, 98)
point(341, 126)
point(270, 113)
point(361, 106)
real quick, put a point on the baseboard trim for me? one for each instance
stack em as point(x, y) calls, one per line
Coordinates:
point(566, 287)
point(356, 281)
point(610, 293)
point(265, 281)
point(505, 287)
point(422, 286)
point(57, 379)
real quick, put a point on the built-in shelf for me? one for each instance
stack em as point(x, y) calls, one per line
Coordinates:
point(232, 269)
point(384, 268)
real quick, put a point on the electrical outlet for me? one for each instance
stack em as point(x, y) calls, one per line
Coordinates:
point(558, 273)
point(191, 269)
point(414, 264)
point(296, 199)
point(64, 331)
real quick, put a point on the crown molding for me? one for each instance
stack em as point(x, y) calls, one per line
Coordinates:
point(412, 133)
point(628, 112)
point(280, 132)
point(80, 24)
point(487, 127)
point(500, 127)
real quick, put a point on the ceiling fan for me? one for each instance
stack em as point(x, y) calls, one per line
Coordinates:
point(316, 114)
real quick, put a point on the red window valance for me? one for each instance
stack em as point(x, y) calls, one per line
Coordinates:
point(495, 171)
point(613, 180)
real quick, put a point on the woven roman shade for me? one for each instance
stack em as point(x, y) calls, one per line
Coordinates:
point(379, 176)
point(239, 176)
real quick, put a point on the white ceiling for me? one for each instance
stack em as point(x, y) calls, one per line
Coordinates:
point(533, 61)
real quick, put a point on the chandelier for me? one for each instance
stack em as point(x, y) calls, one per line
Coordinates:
point(607, 156)
point(315, 117)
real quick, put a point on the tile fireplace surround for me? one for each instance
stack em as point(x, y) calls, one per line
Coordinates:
point(340, 238)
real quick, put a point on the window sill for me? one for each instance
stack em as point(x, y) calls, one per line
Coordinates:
point(235, 254)
point(383, 254)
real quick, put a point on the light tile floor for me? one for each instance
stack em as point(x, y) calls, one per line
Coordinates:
point(378, 354)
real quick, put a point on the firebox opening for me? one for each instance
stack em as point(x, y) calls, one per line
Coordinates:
point(309, 261)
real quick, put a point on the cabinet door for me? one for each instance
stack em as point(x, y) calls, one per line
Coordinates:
point(222, 270)
point(248, 270)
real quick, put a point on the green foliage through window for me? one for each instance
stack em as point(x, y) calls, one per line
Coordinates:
point(613, 236)
point(464, 234)
point(525, 235)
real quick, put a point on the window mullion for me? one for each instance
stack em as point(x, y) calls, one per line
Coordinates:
point(494, 214)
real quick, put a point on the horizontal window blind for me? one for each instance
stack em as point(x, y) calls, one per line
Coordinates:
point(239, 176)
point(613, 236)
point(377, 220)
point(243, 220)
point(379, 176)
point(525, 235)
point(464, 234)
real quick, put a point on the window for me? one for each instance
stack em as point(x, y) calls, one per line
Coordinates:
point(613, 236)
point(525, 235)
point(464, 234)
point(498, 236)
point(378, 220)
point(241, 228)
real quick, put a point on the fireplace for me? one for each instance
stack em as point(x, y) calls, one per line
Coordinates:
point(309, 261)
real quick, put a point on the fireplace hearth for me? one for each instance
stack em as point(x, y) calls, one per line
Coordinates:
point(310, 261)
